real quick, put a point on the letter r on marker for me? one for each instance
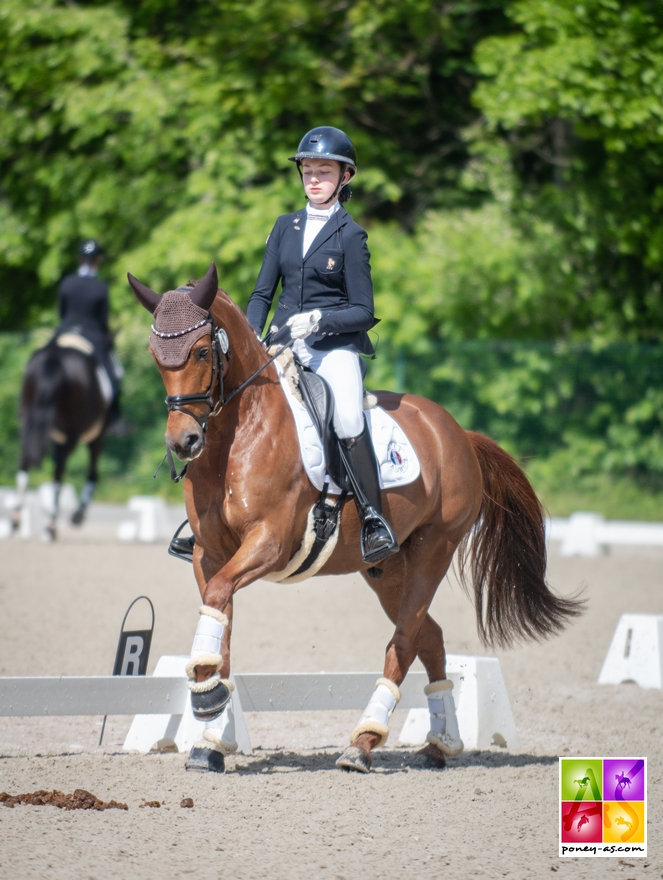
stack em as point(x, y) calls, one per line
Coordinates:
point(132, 651)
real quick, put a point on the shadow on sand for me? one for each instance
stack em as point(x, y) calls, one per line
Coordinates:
point(392, 761)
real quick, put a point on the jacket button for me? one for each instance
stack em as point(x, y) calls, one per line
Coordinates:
point(299, 287)
point(300, 271)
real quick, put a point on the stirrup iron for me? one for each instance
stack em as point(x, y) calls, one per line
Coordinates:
point(387, 549)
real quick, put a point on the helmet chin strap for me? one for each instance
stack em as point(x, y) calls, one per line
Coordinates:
point(339, 185)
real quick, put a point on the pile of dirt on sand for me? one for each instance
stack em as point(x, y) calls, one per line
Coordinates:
point(79, 800)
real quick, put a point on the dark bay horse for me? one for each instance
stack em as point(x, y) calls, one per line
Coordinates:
point(62, 403)
point(248, 498)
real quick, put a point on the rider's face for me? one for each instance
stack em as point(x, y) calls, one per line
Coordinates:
point(320, 179)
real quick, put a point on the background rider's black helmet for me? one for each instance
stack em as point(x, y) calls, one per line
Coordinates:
point(89, 250)
point(326, 142)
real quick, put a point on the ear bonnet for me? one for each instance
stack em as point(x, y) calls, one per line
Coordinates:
point(179, 323)
point(181, 316)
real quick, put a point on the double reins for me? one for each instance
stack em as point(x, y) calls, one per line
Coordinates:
point(179, 402)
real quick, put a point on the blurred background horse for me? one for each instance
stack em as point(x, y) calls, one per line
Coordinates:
point(65, 399)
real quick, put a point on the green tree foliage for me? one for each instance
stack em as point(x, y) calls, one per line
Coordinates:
point(510, 180)
point(164, 128)
point(577, 95)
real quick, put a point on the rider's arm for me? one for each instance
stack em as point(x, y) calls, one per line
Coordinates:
point(102, 311)
point(358, 314)
point(260, 300)
point(62, 301)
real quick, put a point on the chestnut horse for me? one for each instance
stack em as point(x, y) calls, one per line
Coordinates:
point(248, 497)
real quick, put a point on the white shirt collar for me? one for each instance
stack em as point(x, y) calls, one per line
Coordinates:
point(85, 270)
point(316, 212)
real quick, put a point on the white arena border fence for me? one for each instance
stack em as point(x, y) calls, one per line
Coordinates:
point(590, 534)
point(161, 702)
point(147, 519)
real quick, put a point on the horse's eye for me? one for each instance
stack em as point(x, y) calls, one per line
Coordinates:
point(201, 353)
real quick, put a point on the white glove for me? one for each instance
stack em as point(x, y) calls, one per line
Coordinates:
point(304, 324)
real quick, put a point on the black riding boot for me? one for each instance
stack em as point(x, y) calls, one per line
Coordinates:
point(377, 537)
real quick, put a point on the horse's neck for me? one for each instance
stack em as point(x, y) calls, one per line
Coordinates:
point(247, 355)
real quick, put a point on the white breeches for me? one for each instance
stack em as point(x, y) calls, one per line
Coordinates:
point(340, 368)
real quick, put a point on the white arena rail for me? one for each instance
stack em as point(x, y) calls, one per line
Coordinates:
point(589, 534)
point(161, 705)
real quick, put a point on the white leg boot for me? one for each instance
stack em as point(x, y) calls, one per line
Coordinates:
point(208, 698)
point(444, 733)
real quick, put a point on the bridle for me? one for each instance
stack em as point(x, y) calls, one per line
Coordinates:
point(220, 347)
point(180, 402)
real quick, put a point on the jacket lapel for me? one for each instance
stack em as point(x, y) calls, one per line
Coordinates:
point(338, 219)
point(296, 231)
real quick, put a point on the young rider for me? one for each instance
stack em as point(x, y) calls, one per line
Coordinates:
point(319, 254)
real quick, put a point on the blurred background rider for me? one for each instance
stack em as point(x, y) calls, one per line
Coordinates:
point(83, 309)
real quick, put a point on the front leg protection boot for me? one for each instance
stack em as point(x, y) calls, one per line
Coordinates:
point(209, 698)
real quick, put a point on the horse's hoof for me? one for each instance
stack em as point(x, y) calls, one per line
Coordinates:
point(49, 534)
point(354, 758)
point(203, 760)
point(77, 517)
point(434, 758)
point(207, 705)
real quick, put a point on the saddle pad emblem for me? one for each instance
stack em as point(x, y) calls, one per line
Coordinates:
point(331, 263)
point(397, 457)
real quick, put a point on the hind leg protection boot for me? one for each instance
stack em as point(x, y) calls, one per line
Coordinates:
point(377, 537)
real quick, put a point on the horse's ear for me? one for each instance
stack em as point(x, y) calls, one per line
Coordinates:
point(204, 292)
point(146, 297)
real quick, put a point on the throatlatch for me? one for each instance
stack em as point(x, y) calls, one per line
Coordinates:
point(209, 697)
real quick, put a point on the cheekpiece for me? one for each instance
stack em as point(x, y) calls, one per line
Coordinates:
point(179, 322)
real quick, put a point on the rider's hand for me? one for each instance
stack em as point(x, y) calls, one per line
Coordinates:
point(304, 324)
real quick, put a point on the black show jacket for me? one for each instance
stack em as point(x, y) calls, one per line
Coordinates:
point(83, 306)
point(334, 277)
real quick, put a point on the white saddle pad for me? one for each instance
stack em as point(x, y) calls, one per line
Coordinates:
point(398, 464)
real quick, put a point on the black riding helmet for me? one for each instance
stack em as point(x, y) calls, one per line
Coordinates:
point(326, 142)
point(89, 250)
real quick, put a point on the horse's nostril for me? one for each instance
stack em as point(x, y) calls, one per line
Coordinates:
point(192, 441)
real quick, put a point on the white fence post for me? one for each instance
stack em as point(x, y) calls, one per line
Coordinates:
point(482, 706)
point(636, 652)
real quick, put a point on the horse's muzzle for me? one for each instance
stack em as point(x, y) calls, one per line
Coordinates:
point(188, 443)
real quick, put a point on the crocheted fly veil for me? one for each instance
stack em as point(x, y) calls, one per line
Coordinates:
point(179, 323)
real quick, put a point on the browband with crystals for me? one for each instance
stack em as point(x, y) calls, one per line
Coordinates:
point(179, 332)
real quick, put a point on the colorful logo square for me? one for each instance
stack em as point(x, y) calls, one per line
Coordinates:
point(624, 779)
point(582, 822)
point(603, 807)
point(582, 779)
point(623, 821)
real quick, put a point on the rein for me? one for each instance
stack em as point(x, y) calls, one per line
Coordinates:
point(179, 402)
